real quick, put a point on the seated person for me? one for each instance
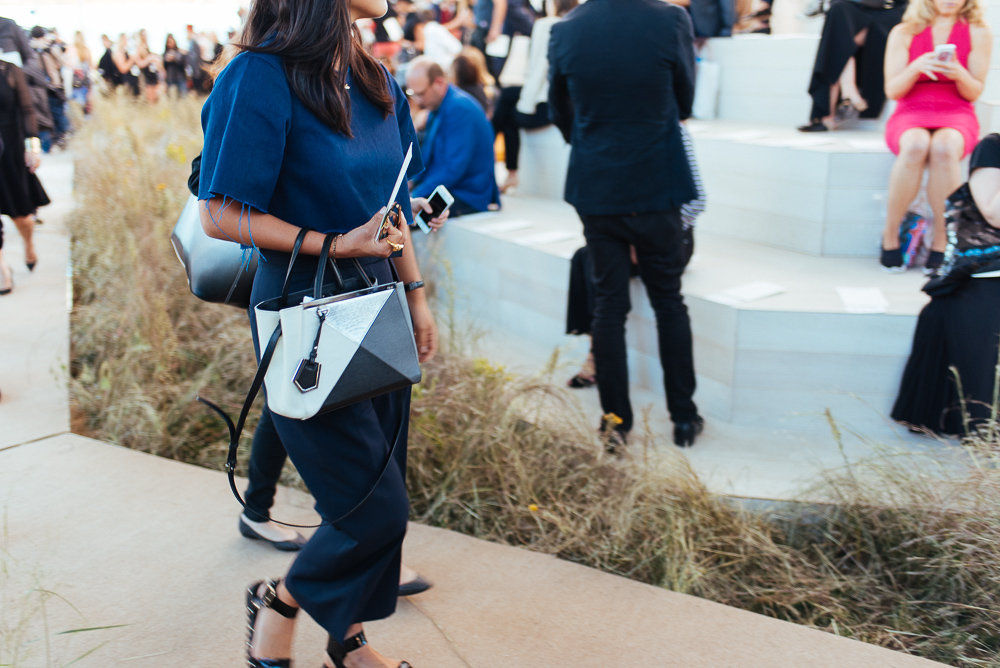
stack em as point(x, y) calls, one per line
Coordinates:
point(958, 330)
point(850, 63)
point(458, 142)
point(934, 124)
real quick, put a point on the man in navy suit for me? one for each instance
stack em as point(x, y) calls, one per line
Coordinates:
point(458, 142)
point(621, 80)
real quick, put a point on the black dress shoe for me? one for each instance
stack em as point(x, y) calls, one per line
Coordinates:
point(414, 587)
point(615, 439)
point(814, 126)
point(284, 545)
point(685, 432)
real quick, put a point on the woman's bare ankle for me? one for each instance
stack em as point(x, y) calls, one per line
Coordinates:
point(273, 633)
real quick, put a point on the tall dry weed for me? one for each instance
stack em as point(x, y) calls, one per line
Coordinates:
point(908, 557)
point(142, 345)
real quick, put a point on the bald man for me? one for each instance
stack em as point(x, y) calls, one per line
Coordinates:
point(458, 142)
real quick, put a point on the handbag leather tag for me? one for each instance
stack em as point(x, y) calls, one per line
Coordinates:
point(307, 373)
point(307, 376)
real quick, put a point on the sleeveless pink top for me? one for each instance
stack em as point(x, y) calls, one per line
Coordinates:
point(936, 104)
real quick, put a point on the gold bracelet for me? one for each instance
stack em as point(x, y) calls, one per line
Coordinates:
point(32, 145)
point(334, 257)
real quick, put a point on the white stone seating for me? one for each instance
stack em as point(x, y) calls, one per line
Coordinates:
point(763, 363)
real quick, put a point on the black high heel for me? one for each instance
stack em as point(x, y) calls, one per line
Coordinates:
point(257, 603)
point(339, 652)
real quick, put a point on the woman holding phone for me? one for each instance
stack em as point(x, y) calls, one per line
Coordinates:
point(934, 124)
point(304, 129)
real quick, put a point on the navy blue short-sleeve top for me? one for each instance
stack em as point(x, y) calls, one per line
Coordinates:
point(265, 149)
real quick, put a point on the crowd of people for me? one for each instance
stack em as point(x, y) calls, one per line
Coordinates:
point(131, 64)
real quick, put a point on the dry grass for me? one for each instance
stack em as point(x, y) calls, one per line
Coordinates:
point(909, 557)
point(142, 346)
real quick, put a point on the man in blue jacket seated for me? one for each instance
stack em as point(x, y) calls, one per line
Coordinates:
point(458, 142)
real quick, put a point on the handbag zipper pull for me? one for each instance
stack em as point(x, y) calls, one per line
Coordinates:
point(307, 374)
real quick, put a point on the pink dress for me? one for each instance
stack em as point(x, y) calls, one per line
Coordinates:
point(935, 104)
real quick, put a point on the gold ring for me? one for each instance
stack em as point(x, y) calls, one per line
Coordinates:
point(395, 247)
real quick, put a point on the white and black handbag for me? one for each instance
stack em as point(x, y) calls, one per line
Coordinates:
point(328, 348)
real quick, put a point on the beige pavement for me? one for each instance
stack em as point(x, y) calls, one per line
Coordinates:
point(149, 546)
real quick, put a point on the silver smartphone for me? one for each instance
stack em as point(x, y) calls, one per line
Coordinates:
point(440, 201)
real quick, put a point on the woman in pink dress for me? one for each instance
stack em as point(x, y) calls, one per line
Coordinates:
point(934, 124)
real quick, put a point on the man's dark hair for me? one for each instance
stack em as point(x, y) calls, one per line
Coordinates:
point(465, 71)
point(318, 42)
point(38, 31)
point(565, 6)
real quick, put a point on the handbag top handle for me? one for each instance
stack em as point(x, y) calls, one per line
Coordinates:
point(320, 269)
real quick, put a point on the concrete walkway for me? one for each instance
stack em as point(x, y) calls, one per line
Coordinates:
point(149, 546)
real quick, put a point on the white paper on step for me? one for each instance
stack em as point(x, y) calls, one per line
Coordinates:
point(749, 292)
point(743, 135)
point(501, 226)
point(863, 300)
point(546, 237)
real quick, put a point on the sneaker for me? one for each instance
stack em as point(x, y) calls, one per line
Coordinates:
point(934, 262)
point(892, 261)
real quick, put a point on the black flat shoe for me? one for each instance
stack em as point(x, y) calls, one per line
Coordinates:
point(257, 603)
point(892, 260)
point(615, 439)
point(814, 126)
point(685, 432)
point(414, 587)
point(283, 545)
point(339, 652)
point(934, 262)
point(581, 380)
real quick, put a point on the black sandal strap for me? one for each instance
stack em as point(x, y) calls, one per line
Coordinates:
point(272, 601)
point(355, 642)
point(338, 652)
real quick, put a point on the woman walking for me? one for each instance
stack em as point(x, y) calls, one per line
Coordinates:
point(304, 129)
point(934, 125)
point(173, 65)
point(21, 193)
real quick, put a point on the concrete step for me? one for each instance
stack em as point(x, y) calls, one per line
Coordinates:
point(762, 363)
point(822, 194)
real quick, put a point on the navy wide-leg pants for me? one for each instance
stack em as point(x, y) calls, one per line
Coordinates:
point(348, 572)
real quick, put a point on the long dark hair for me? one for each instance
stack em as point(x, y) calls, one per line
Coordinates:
point(316, 38)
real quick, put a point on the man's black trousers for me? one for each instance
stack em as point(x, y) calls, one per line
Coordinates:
point(658, 240)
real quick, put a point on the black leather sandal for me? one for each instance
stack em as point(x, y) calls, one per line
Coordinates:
point(257, 603)
point(339, 652)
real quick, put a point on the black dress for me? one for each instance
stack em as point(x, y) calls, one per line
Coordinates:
point(21, 193)
point(960, 330)
point(844, 20)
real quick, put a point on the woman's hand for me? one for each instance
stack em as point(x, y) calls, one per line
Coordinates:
point(421, 204)
point(424, 330)
point(928, 65)
point(360, 242)
point(951, 69)
point(33, 161)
